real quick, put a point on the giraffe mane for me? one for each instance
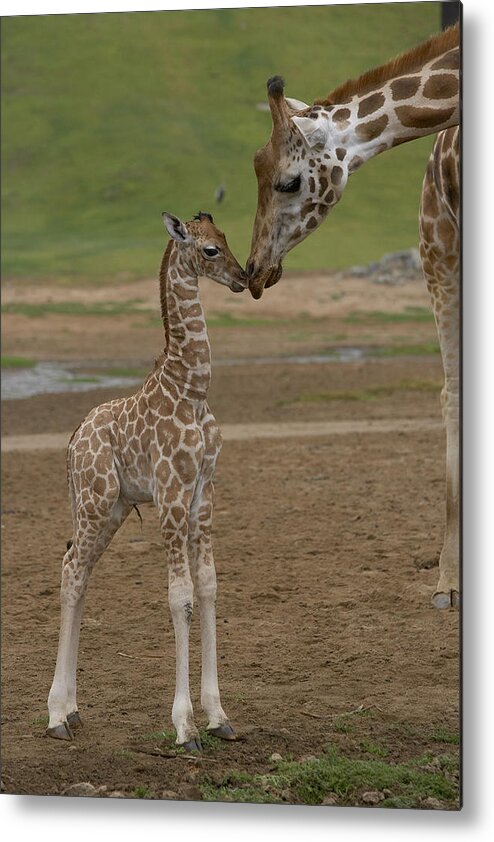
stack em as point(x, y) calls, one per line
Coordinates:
point(408, 62)
point(163, 283)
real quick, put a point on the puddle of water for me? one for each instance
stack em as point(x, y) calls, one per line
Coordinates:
point(335, 355)
point(57, 378)
point(54, 378)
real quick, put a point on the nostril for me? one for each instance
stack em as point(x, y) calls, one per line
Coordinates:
point(250, 268)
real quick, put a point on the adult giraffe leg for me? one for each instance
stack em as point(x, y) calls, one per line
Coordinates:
point(439, 251)
point(91, 537)
point(204, 576)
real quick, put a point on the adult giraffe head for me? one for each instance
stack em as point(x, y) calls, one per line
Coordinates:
point(299, 180)
point(303, 169)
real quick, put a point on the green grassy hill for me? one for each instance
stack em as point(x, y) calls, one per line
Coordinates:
point(109, 119)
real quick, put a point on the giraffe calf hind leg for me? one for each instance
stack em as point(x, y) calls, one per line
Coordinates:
point(74, 720)
point(61, 732)
point(65, 731)
point(192, 745)
point(223, 732)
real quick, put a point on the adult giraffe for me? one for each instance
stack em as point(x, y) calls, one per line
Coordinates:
point(302, 173)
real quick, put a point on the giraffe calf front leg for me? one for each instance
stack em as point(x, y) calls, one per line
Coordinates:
point(180, 599)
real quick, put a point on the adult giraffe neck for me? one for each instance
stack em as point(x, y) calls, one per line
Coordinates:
point(414, 95)
point(410, 97)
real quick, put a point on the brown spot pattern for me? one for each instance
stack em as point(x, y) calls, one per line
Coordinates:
point(341, 114)
point(441, 86)
point(323, 185)
point(355, 163)
point(336, 175)
point(405, 87)
point(450, 61)
point(423, 118)
point(372, 129)
point(370, 104)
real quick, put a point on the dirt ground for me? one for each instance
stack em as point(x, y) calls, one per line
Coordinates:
point(325, 549)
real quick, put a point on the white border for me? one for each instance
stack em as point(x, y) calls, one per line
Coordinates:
point(50, 818)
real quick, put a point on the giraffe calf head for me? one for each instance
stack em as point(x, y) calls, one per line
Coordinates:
point(205, 251)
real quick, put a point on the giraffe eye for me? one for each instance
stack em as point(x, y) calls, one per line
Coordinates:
point(210, 251)
point(290, 187)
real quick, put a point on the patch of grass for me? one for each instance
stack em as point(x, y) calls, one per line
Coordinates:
point(341, 726)
point(81, 379)
point(409, 314)
point(372, 393)
point(422, 350)
point(143, 792)
point(73, 308)
point(125, 752)
point(443, 736)
point(40, 720)
point(343, 723)
point(210, 742)
point(223, 319)
point(240, 786)
point(309, 781)
point(167, 735)
point(374, 748)
point(166, 739)
point(73, 120)
point(17, 362)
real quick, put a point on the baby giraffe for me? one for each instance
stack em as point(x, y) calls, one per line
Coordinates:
point(159, 445)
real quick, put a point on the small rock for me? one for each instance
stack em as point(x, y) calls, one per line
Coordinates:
point(191, 793)
point(169, 795)
point(372, 797)
point(72, 748)
point(276, 757)
point(116, 794)
point(432, 804)
point(91, 623)
point(83, 788)
point(307, 757)
point(330, 800)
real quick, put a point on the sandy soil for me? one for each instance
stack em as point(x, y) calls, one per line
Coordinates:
point(325, 546)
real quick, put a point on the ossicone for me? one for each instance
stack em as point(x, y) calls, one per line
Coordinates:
point(203, 215)
point(276, 86)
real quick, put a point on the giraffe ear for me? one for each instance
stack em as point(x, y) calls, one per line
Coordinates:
point(176, 228)
point(295, 104)
point(314, 131)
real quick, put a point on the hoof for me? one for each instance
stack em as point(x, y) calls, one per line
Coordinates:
point(74, 720)
point(192, 745)
point(223, 732)
point(60, 732)
point(442, 600)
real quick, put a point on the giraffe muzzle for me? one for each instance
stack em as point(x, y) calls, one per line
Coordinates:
point(259, 283)
point(235, 286)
